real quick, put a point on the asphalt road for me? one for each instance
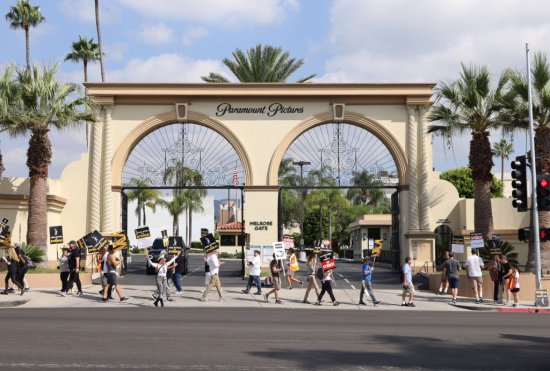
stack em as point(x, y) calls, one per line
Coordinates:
point(251, 339)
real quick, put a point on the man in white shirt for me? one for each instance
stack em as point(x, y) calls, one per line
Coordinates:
point(254, 272)
point(473, 265)
point(214, 268)
point(408, 287)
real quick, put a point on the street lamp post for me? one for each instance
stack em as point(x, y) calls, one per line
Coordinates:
point(302, 164)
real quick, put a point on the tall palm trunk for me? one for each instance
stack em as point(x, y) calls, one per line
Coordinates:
point(38, 159)
point(502, 170)
point(189, 236)
point(176, 225)
point(27, 47)
point(99, 43)
point(144, 217)
point(85, 62)
point(481, 163)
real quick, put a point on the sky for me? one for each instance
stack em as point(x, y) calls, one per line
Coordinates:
point(371, 41)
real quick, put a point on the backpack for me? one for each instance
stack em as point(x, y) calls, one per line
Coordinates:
point(320, 273)
point(25, 260)
point(401, 276)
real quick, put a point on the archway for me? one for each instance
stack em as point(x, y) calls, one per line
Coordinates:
point(443, 240)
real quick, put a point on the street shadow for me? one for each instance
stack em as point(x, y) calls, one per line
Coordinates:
point(534, 339)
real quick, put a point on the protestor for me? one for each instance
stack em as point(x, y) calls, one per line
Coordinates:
point(255, 270)
point(64, 270)
point(112, 263)
point(495, 267)
point(474, 264)
point(311, 280)
point(408, 287)
point(13, 267)
point(293, 267)
point(326, 286)
point(207, 274)
point(452, 267)
point(444, 285)
point(74, 267)
point(105, 274)
point(179, 270)
point(513, 284)
point(214, 269)
point(275, 274)
point(162, 268)
point(505, 274)
point(366, 283)
point(23, 268)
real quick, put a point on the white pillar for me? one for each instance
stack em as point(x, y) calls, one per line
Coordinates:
point(412, 138)
point(424, 170)
point(107, 155)
point(94, 176)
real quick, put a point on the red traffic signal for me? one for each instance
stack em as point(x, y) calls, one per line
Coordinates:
point(544, 234)
point(543, 193)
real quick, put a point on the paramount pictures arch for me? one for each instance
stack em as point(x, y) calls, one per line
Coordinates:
point(260, 122)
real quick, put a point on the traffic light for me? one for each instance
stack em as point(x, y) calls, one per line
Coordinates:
point(543, 193)
point(544, 234)
point(519, 183)
point(523, 234)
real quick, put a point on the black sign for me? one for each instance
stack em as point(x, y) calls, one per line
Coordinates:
point(175, 245)
point(56, 234)
point(93, 242)
point(496, 248)
point(120, 240)
point(142, 232)
point(165, 239)
point(209, 243)
point(541, 298)
point(4, 228)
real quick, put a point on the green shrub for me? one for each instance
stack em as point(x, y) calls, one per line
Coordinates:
point(35, 253)
point(507, 249)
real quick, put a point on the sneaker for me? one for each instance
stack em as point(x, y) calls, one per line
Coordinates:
point(203, 290)
point(79, 293)
point(362, 303)
point(290, 287)
point(103, 300)
point(404, 304)
point(27, 288)
point(266, 298)
point(499, 303)
point(258, 293)
point(203, 299)
point(154, 296)
point(306, 302)
point(439, 292)
point(317, 303)
point(22, 292)
point(171, 299)
point(411, 304)
point(514, 305)
point(110, 298)
point(453, 301)
point(335, 303)
point(11, 290)
point(478, 301)
point(244, 291)
point(278, 302)
point(179, 292)
point(377, 302)
point(62, 293)
point(124, 299)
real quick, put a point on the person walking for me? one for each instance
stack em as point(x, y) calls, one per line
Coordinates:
point(495, 267)
point(366, 284)
point(513, 284)
point(179, 270)
point(162, 268)
point(207, 274)
point(452, 267)
point(112, 264)
point(293, 267)
point(214, 269)
point(326, 286)
point(74, 267)
point(408, 287)
point(64, 270)
point(13, 266)
point(311, 280)
point(474, 264)
point(444, 285)
point(254, 272)
point(505, 274)
point(275, 270)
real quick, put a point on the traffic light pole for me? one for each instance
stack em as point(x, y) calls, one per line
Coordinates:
point(534, 208)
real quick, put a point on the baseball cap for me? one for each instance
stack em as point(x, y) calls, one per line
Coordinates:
point(72, 242)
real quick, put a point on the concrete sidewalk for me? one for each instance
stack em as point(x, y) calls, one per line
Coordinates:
point(140, 296)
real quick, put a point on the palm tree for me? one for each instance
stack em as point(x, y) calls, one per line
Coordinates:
point(84, 50)
point(470, 104)
point(260, 64)
point(24, 15)
point(41, 103)
point(144, 197)
point(8, 95)
point(99, 44)
point(540, 75)
point(367, 195)
point(502, 149)
point(175, 207)
point(194, 203)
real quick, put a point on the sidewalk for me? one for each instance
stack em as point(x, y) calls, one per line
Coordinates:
point(140, 296)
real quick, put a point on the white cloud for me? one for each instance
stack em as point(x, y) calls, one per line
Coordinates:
point(192, 34)
point(156, 34)
point(84, 10)
point(170, 67)
point(15, 157)
point(234, 12)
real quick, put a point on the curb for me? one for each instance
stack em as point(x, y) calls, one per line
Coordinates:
point(524, 310)
point(13, 303)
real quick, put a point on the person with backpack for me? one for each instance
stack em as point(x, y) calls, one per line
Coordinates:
point(408, 287)
point(162, 269)
point(112, 263)
point(326, 286)
point(368, 268)
point(311, 280)
point(275, 274)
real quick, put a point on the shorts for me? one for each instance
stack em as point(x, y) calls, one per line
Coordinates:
point(277, 283)
point(476, 281)
point(104, 279)
point(207, 277)
point(515, 289)
point(454, 282)
point(409, 289)
point(291, 273)
point(111, 278)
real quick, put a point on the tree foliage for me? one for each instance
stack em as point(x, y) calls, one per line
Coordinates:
point(461, 178)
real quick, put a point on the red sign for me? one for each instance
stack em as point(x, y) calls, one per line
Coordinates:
point(327, 262)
